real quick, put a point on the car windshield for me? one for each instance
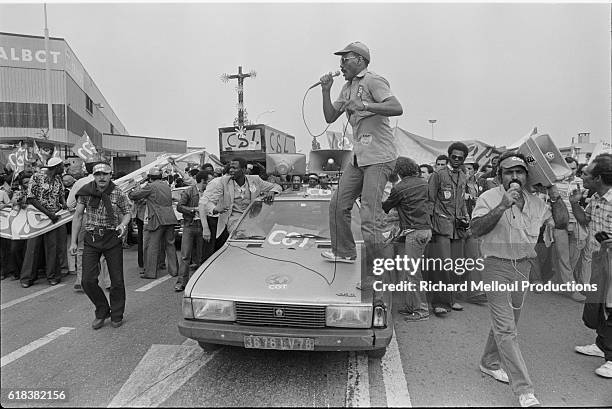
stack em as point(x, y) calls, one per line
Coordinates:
point(309, 218)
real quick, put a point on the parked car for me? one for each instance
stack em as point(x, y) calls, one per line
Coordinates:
point(269, 288)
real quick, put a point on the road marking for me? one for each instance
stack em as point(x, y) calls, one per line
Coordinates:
point(7, 359)
point(153, 283)
point(396, 387)
point(358, 381)
point(30, 296)
point(160, 373)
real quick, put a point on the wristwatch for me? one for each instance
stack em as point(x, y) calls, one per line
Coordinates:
point(366, 105)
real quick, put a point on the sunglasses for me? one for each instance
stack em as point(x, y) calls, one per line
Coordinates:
point(344, 60)
point(455, 157)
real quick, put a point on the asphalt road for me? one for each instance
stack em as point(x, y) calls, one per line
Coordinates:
point(47, 343)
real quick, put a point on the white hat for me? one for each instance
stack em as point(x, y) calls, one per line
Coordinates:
point(54, 162)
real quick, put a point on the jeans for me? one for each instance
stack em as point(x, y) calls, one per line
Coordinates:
point(415, 244)
point(443, 247)
point(369, 182)
point(583, 267)
point(567, 251)
point(502, 344)
point(110, 246)
point(50, 242)
point(152, 249)
point(140, 225)
point(192, 238)
point(104, 275)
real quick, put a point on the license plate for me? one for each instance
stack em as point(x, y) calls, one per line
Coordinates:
point(280, 343)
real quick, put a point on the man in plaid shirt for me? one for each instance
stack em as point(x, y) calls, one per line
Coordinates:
point(104, 229)
point(597, 216)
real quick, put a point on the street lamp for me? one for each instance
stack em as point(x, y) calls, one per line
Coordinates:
point(269, 111)
point(432, 122)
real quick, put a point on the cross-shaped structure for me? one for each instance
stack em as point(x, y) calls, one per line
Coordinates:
point(240, 77)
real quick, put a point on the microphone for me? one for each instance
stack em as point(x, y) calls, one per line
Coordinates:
point(515, 185)
point(335, 74)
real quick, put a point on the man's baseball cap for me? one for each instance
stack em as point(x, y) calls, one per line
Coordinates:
point(102, 168)
point(154, 171)
point(54, 162)
point(513, 161)
point(313, 176)
point(357, 48)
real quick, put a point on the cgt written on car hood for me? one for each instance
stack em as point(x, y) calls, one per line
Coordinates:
point(273, 271)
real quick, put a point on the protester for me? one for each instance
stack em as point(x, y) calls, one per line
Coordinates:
point(426, 171)
point(159, 222)
point(597, 216)
point(192, 226)
point(409, 197)
point(508, 219)
point(441, 162)
point(46, 193)
point(106, 220)
point(450, 221)
point(324, 181)
point(228, 197)
point(569, 241)
point(368, 102)
point(313, 180)
point(5, 244)
point(16, 254)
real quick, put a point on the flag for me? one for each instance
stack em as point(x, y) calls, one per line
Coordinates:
point(16, 159)
point(36, 151)
point(85, 149)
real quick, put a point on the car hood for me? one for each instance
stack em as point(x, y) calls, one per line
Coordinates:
point(244, 272)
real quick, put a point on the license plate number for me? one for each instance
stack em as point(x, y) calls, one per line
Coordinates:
point(279, 343)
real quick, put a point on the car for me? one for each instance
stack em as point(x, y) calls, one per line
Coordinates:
point(269, 288)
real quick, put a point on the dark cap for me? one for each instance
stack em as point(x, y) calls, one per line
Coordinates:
point(357, 48)
point(513, 161)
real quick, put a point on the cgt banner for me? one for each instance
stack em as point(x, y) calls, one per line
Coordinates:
point(21, 224)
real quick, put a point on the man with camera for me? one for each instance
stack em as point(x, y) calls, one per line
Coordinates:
point(450, 221)
point(598, 217)
point(508, 219)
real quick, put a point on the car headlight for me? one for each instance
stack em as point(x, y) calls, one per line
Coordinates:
point(207, 309)
point(348, 316)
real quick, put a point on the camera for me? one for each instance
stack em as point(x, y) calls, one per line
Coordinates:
point(601, 236)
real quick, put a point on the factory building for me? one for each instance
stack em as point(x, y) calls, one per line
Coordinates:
point(78, 106)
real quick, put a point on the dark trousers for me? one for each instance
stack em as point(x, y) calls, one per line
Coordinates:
point(595, 310)
point(443, 247)
point(110, 246)
point(215, 243)
point(5, 248)
point(50, 241)
point(191, 241)
point(156, 242)
point(140, 225)
point(15, 257)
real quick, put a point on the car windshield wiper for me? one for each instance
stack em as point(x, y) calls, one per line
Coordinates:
point(250, 238)
point(304, 236)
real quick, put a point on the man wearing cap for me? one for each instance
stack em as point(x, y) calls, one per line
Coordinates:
point(508, 220)
point(368, 102)
point(313, 181)
point(46, 193)
point(107, 214)
point(71, 202)
point(159, 222)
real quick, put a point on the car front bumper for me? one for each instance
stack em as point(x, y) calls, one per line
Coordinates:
point(325, 339)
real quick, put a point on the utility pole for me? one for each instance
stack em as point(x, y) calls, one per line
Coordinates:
point(48, 76)
point(432, 122)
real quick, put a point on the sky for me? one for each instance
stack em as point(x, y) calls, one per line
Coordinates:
point(489, 71)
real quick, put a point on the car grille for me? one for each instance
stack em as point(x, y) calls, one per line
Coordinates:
point(299, 316)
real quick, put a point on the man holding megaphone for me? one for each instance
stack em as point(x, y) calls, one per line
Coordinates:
point(508, 219)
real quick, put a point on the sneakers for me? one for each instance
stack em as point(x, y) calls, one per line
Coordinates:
point(329, 255)
point(497, 374)
point(528, 400)
point(415, 316)
point(592, 350)
point(457, 307)
point(440, 311)
point(605, 370)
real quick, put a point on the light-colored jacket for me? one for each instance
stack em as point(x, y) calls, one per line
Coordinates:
point(221, 190)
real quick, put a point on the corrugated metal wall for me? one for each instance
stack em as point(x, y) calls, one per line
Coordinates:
point(166, 145)
point(124, 143)
point(29, 85)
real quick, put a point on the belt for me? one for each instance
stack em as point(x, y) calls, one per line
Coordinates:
point(511, 260)
point(100, 231)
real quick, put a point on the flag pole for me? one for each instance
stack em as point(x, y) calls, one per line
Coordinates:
point(48, 76)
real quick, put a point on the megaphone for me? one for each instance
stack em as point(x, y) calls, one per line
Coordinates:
point(286, 163)
point(328, 160)
point(546, 164)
